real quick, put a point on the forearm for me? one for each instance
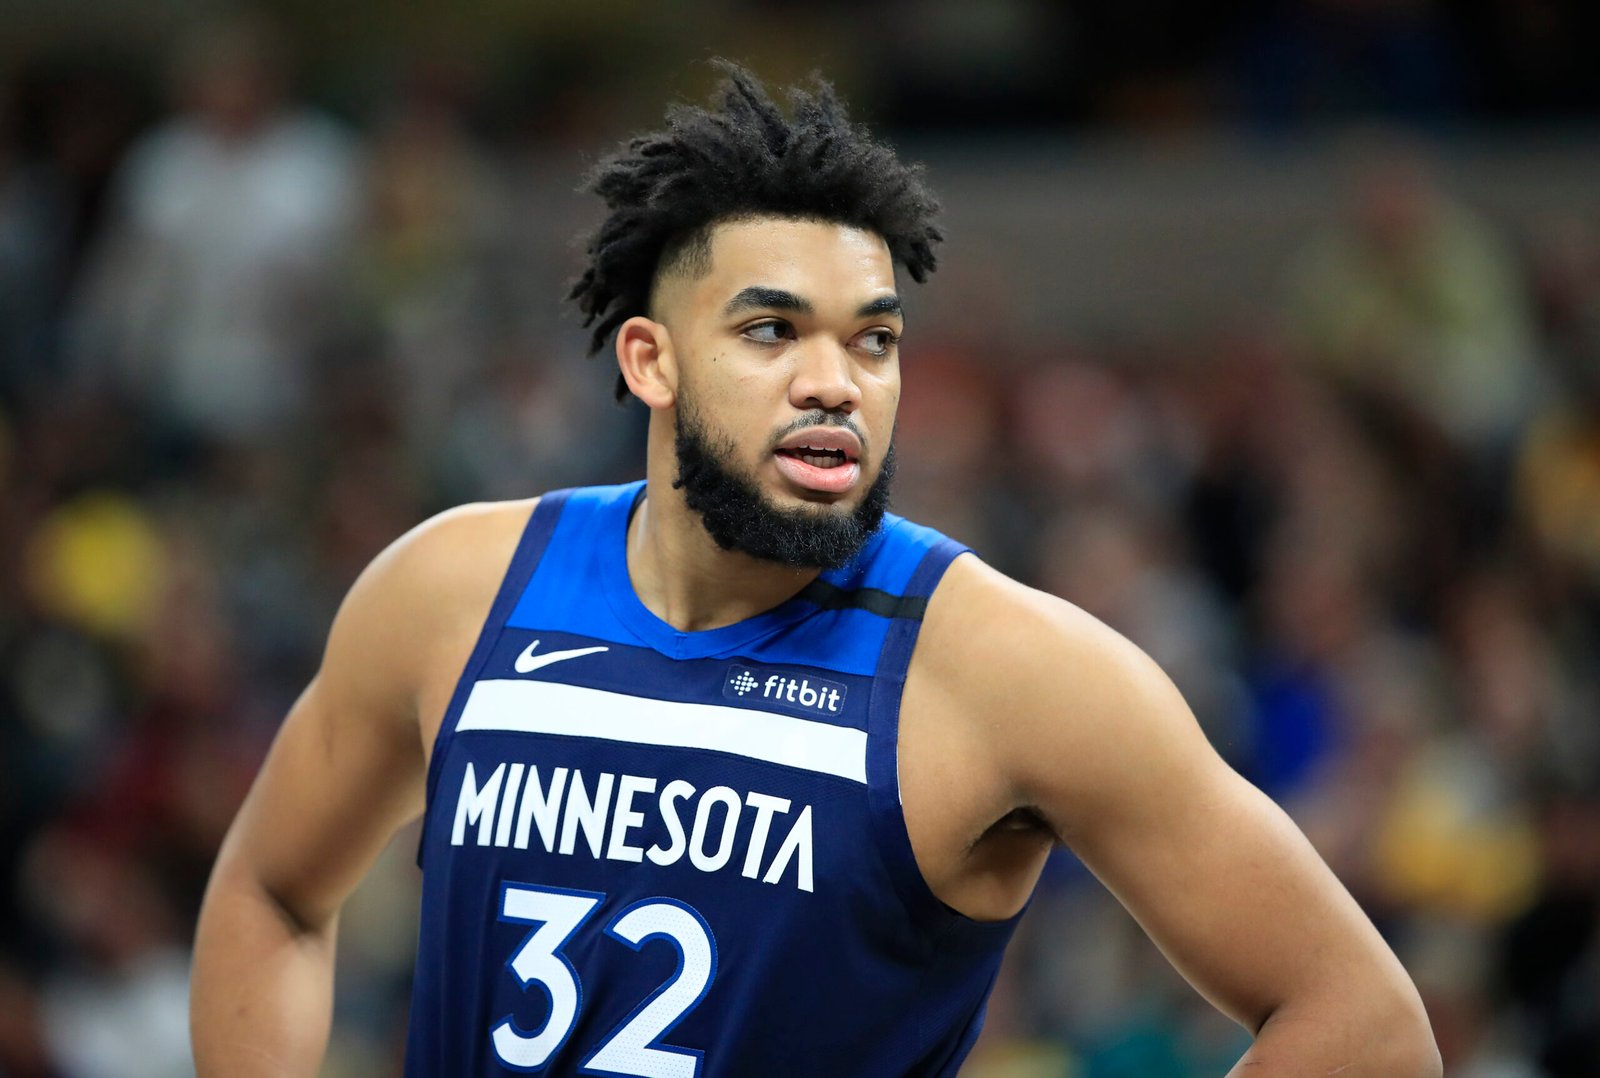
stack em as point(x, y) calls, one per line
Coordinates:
point(261, 992)
point(1335, 1040)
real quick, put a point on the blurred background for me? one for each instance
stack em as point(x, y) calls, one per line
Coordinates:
point(1268, 331)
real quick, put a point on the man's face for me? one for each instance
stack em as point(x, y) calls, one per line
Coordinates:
point(788, 381)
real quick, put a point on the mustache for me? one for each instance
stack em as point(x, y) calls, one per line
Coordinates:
point(820, 418)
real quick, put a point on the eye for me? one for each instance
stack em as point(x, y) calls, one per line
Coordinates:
point(771, 331)
point(878, 342)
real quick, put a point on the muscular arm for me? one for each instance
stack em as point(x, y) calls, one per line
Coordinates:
point(1090, 735)
point(346, 770)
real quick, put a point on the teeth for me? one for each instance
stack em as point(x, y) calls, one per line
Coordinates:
point(817, 456)
point(820, 460)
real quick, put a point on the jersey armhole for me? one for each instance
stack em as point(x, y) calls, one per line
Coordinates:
point(530, 548)
point(883, 744)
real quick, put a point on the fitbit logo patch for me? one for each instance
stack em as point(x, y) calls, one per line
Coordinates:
point(805, 693)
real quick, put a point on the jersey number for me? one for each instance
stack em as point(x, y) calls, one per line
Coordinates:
point(630, 1049)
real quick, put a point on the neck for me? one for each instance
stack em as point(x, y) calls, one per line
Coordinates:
point(684, 578)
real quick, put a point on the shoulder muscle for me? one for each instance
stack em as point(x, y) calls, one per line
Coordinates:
point(1086, 730)
point(348, 765)
point(408, 611)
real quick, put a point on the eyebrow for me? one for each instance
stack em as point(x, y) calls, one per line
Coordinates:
point(759, 297)
point(763, 298)
point(889, 304)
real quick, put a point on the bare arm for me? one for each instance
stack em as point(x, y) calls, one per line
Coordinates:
point(345, 772)
point(1097, 741)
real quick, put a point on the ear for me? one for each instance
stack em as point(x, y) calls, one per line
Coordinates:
point(647, 363)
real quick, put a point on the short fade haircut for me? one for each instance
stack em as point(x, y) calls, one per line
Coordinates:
point(741, 158)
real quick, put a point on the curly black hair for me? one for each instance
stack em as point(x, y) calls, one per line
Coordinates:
point(742, 157)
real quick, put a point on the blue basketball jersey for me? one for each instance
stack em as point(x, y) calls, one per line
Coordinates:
point(672, 854)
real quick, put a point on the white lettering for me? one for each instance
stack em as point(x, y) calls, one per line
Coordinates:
point(508, 804)
point(765, 805)
point(799, 691)
point(674, 791)
point(591, 816)
point(625, 818)
point(797, 845)
point(717, 795)
point(540, 806)
point(566, 801)
point(477, 806)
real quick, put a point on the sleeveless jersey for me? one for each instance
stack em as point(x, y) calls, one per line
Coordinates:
point(681, 854)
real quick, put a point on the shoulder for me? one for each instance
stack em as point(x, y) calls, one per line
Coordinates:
point(463, 546)
point(317, 157)
point(1070, 711)
point(425, 593)
point(999, 627)
point(158, 171)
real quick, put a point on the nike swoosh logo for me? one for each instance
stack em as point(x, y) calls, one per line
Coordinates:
point(528, 662)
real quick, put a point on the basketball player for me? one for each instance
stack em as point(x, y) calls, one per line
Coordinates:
point(728, 772)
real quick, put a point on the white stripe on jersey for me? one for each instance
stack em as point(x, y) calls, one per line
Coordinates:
point(547, 707)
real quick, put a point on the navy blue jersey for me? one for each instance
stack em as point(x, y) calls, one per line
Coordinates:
point(652, 852)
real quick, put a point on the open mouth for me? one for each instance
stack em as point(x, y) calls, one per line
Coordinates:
point(817, 458)
point(823, 461)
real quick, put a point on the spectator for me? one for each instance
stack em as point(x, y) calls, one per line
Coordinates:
point(1415, 300)
point(216, 285)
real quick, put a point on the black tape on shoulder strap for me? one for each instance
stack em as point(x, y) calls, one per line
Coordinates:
point(873, 600)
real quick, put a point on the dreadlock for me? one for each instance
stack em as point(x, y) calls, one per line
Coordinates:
point(742, 158)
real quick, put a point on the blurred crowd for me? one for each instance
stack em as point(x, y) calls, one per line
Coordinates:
point(244, 346)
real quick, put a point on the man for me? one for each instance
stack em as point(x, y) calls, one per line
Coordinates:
point(218, 285)
point(743, 776)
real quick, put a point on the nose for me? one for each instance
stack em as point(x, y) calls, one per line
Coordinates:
point(824, 377)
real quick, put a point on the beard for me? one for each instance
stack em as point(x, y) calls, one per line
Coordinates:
point(739, 517)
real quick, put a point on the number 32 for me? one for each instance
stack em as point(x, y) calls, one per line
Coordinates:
point(630, 1049)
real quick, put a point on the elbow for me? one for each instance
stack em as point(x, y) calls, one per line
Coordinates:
point(1406, 1045)
point(1416, 1056)
point(1351, 1036)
